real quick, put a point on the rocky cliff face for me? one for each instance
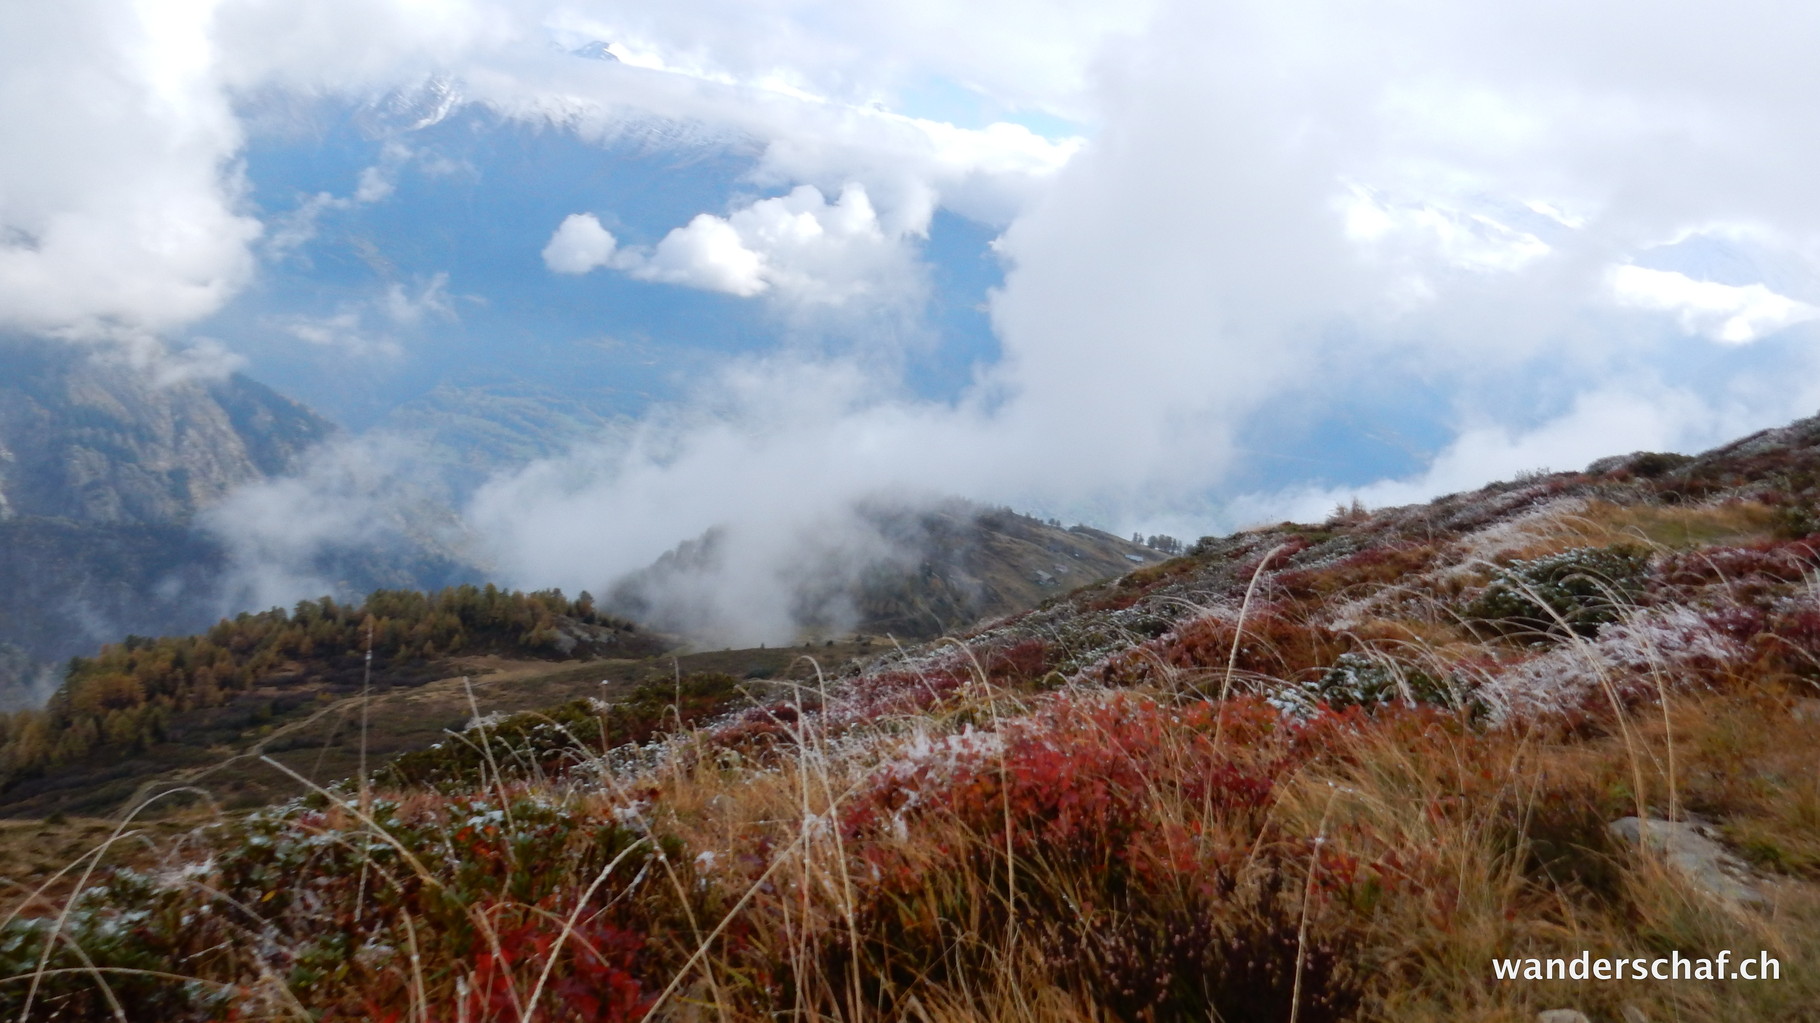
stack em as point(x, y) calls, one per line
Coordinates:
point(93, 438)
point(103, 464)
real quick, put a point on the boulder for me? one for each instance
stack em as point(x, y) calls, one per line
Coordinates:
point(1688, 847)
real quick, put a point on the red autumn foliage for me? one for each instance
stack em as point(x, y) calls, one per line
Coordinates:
point(595, 979)
point(1271, 643)
point(1374, 566)
point(1025, 662)
point(1771, 561)
point(1083, 775)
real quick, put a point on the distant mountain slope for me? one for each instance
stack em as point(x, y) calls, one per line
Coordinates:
point(916, 571)
point(977, 564)
point(474, 431)
point(67, 587)
point(102, 467)
point(95, 439)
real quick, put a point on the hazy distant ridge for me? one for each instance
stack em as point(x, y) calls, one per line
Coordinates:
point(103, 465)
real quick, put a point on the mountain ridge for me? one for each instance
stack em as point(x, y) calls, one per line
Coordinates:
point(91, 437)
point(912, 569)
point(104, 465)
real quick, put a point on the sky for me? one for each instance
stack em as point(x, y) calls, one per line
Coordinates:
point(1160, 267)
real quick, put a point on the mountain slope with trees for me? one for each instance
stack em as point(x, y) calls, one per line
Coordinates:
point(143, 693)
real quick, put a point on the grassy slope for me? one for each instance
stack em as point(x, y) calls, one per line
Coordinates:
point(1308, 772)
point(312, 725)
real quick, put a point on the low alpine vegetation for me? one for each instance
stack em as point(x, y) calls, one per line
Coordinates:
point(1307, 773)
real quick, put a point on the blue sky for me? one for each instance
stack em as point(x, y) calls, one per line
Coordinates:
point(1158, 266)
point(469, 205)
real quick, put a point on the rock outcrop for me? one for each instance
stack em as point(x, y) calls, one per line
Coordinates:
point(1687, 848)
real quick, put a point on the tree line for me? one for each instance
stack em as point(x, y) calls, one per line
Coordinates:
point(125, 696)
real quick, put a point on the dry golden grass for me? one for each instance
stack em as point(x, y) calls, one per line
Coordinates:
point(1678, 527)
point(1452, 808)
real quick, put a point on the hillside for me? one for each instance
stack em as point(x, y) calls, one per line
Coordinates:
point(1306, 772)
point(917, 570)
point(91, 437)
point(144, 708)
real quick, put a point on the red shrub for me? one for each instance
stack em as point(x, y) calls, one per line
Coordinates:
point(595, 977)
point(1770, 561)
point(1083, 776)
point(1024, 662)
point(1271, 644)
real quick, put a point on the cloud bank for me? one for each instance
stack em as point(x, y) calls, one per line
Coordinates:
point(1283, 216)
point(1283, 206)
point(118, 205)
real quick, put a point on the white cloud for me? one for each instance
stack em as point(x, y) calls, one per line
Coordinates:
point(344, 331)
point(719, 461)
point(409, 309)
point(373, 185)
point(131, 209)
point(370, 328)
point(1019, 54)
point(203, 358)
point(578, 245)
point(803, 252)
point(1448, 235)
point(1729, 313)
point(353, 501)
point(291, 231)
point(709, 254)
point(118, 204)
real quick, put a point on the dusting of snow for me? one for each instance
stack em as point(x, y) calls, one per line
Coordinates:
point(1652, 646)
point(1525, 529)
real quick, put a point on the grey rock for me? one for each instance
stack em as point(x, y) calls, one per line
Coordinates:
point(97, 437)
point(1562, 1016)
point(1688, 847)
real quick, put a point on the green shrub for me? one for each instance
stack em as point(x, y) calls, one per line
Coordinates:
point(1358, 680)
point(1578, 590)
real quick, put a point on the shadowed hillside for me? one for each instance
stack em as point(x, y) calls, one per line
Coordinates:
point(913, 571)
point(142, 707)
